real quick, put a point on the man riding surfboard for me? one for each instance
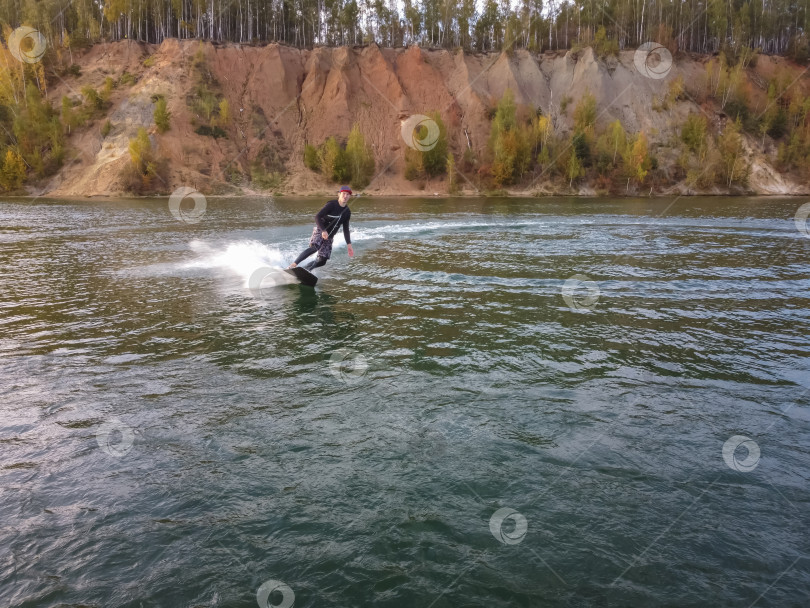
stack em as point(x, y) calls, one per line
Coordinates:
point(335, 213)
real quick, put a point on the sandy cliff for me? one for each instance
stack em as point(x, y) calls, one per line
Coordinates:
point(284, 97)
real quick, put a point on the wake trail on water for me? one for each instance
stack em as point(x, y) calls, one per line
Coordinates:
point(245, 257)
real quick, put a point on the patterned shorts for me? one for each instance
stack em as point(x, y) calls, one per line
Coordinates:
point(324, 245)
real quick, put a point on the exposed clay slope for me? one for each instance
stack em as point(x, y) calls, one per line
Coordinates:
point(283, 97)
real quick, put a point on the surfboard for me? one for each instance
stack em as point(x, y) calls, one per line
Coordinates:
point(304, 276)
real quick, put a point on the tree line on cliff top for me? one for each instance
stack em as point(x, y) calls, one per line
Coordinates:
point(774, 26)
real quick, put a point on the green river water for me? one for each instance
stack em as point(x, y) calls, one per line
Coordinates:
point(496, 402)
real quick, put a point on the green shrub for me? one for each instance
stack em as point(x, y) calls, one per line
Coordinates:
point(38, 133)
point(736, 108)
point(573, 169)
point(162, 115)
point(585, 113)
point(616, 138)
point(106, 91)
point(354, 163)
point(311, 158)
point(509, 143)
point(214, 132)
point(580, 145)
point(693, 132)
point(636, 158)
point(106, 128)
point(413, 168)
point(675, 91)
point(205, 100)
point(92, 98)
point(604, 162)
point(263, 179)
point(224, 113)
point(602, 46)
point(333, 161)
point(433, 160)
point(12, 173)
point(140, 151)
point(734, 164)
point(359, 158)
point(777, 123)
point(145, 172)
point(69, 117)
point(468, 160)
point(452, 178)
point(233, 175)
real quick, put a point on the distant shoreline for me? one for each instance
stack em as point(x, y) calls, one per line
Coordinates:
point(415, 196)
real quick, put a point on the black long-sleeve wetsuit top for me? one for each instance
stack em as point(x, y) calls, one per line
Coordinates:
point(332, 216)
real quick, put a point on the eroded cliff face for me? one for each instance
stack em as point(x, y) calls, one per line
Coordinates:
point(282, 98)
